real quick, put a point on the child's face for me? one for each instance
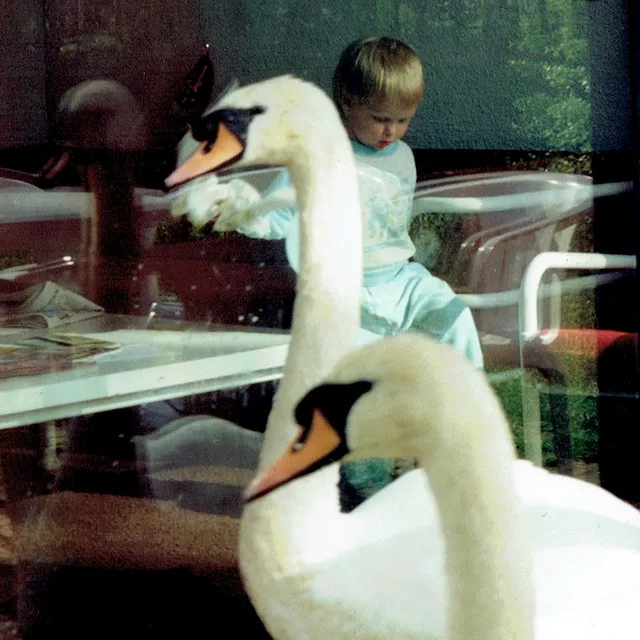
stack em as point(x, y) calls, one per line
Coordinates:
point(377, 125)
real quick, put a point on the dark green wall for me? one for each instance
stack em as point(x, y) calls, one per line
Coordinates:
point(488, 63)
point(467, 101)
point(500, 74)
point(609, 68)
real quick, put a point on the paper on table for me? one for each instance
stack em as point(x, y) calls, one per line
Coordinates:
point(17, 360)
point(69, 345)
point(53, 352)
point(45, 305)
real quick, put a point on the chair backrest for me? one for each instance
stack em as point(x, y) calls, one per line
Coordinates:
point(503, 221)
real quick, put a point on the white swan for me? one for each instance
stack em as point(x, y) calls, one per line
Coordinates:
point(473, 564)
point(299, 556)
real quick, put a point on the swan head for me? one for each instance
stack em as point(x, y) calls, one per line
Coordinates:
point(402, 397)
point(268, 122)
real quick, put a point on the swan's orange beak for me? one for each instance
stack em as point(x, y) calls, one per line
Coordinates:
point(209, 156)
point(300, 458)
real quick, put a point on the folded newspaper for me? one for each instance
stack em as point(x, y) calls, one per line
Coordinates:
point(45, 306)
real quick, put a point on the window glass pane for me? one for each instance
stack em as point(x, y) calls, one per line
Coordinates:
point(131, 327)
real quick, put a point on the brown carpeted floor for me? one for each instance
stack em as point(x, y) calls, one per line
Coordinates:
point(87, 564)
point(93, 565)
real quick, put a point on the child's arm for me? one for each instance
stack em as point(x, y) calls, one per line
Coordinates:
point(278, 201)
point(237, 205)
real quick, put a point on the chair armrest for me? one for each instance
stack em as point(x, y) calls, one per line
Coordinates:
point(559, 260)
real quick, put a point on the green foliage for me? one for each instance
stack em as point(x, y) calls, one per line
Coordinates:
point(582, 415)
point(581, 390)
point(181, 230)
point(554, 122)
point(437, 238)
point(551, 55)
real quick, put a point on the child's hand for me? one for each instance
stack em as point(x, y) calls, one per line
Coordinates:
point(246, 206)
point(205, 199)
point(237, 209)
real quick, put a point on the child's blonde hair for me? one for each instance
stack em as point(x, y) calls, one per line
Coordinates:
point(378, 69)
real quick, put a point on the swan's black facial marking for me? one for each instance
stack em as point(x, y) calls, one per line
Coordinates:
point(334, 401)
point(223, 141)
point(359, 479)
point(237, 121)
point(322, 417)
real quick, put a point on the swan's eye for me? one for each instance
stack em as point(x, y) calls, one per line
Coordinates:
point(297, 446)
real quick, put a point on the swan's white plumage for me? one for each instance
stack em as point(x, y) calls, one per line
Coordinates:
point(585, 542)
point(391, 575)
point(379, 572)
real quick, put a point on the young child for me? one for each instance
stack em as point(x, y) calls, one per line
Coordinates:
point(378, 86)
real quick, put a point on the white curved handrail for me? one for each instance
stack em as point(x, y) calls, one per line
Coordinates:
point(559, 260)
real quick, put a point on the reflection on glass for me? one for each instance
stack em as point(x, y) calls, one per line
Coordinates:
point(122, 502)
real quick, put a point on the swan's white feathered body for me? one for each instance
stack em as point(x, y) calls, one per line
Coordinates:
point(379, 572)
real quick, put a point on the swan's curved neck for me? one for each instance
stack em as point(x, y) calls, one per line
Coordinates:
point(488, 562)
point(326, 313)
point(326, 319)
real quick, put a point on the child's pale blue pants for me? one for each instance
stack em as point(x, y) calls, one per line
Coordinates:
point(406, 296)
